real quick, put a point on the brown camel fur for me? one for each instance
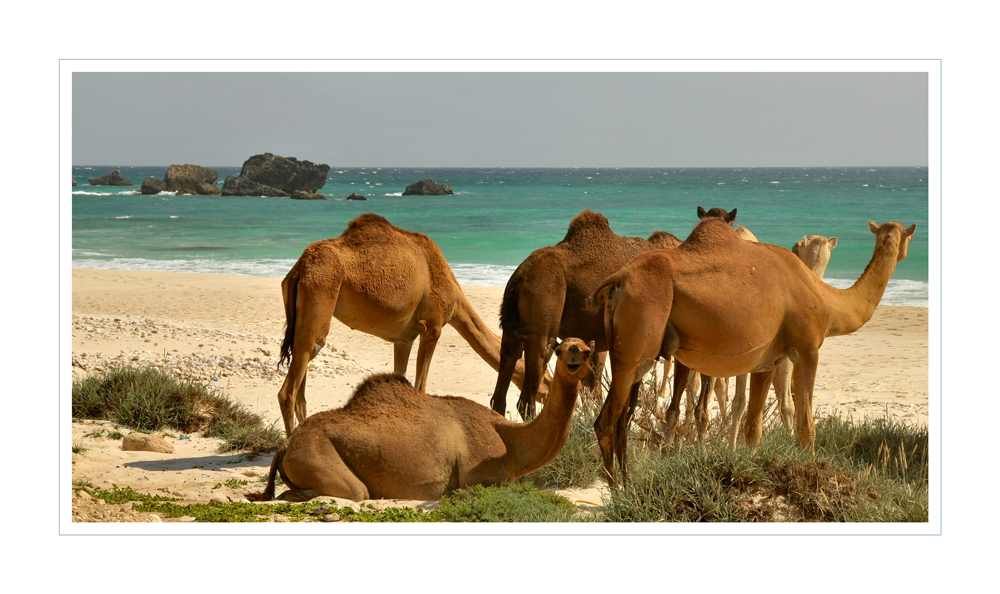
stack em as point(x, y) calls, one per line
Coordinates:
point(391, 441)
point(379, 279)
point(547, 295)
point(814, 251)
point(724, 307)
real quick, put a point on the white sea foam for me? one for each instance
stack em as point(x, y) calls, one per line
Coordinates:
point(897, 292)
point(85, 193)
point(128, 193)
point(394, 194)
point(268, 268)
point(124, 217)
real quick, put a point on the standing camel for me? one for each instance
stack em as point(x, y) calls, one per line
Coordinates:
point(546, 297)
point(724, 306)
point(814, 251)
point(379, 279)
point(391, 441)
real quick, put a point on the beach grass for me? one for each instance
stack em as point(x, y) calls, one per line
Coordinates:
point(147, 399)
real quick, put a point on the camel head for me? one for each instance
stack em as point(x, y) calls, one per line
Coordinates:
point(572, 356)
point(717, 213)
point(893, 232)
point(814, 250)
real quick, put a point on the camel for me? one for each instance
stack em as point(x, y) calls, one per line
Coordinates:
point(724, 307)
point(391, 441)
point(379, 279)
point(546, 297)
point(814, 251)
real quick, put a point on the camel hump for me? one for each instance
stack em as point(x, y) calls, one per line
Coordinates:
point(378, 393)
point(368, 219)
point(664, 240)
point(586, 221)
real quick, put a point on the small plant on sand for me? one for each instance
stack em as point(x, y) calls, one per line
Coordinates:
point(116, 434)
point(516, 502)
point(147, 399)
point(79, 448)
point(95, 434)
point(231, 484)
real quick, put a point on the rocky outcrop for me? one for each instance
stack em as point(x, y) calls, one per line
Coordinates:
point(236, 185)
point(304, 195)
point(151, 186)
point(112, 178)
point(140, 442)
point(285, 173)
point(74, 183)
point(355, 196)
point(185, 179)
point(206, 189)
point(427, 187)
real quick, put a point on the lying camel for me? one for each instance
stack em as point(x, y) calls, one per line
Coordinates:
point(547, 297)
point(814, 251)
point(391, 441)
point(379, 279)
point(724, 306)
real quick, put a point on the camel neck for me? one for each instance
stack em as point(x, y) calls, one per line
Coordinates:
point(534, 444)
point(851, 308)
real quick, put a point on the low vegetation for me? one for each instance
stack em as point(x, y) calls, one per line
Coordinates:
point(147, 399)
point(872, 470)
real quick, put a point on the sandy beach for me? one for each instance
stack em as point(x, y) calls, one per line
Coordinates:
point(226, 331)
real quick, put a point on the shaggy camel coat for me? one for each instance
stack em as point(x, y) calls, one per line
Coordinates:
point(547, 297)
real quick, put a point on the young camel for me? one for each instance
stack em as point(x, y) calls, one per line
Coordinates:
point(546, 297)
point(814, 251)
point(724, 306)
point(379, 279)
point(391, 441)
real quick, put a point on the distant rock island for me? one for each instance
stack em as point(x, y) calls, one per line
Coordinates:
point(184, 179)
point(112, 178)
point(274, 175)
point(356, 196)
point(427, 187)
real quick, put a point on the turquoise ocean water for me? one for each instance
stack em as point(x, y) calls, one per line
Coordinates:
point(498, 216)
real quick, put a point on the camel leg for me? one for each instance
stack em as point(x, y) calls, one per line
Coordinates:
point(312, 324)
point(592, 381)
point(681, 373)
point(739, 408)
point(701, 409)
point(759, 384)
point(534, 368)
point(319, 466)
point(722, 395)
point(511, 350)
point(783, 392)
point(401, 356)
point(803, 380)
point(428, 340)
point(607, 424)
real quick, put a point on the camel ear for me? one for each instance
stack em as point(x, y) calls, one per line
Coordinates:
point(832, 243)
point(701, 213)
point(795, 248)
point(911, 229)
point(592, 345)
point(551, 348)
point(731, 216)
point(873, 226)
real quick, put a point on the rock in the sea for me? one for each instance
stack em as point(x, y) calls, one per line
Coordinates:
point(206, 189)
point(427, 187)
point(355, 196)
point(304, 195)
point(237, 185)
point(285, 173)
point(151, 186)
point(184, 179)
point(112, 178)
point(74, 183)
point(141, 442)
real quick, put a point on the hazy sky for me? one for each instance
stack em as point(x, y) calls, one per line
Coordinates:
point(503, 119)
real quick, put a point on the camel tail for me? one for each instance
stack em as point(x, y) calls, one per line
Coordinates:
point(279, 456)
point(510, 314)
point(289, 292)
